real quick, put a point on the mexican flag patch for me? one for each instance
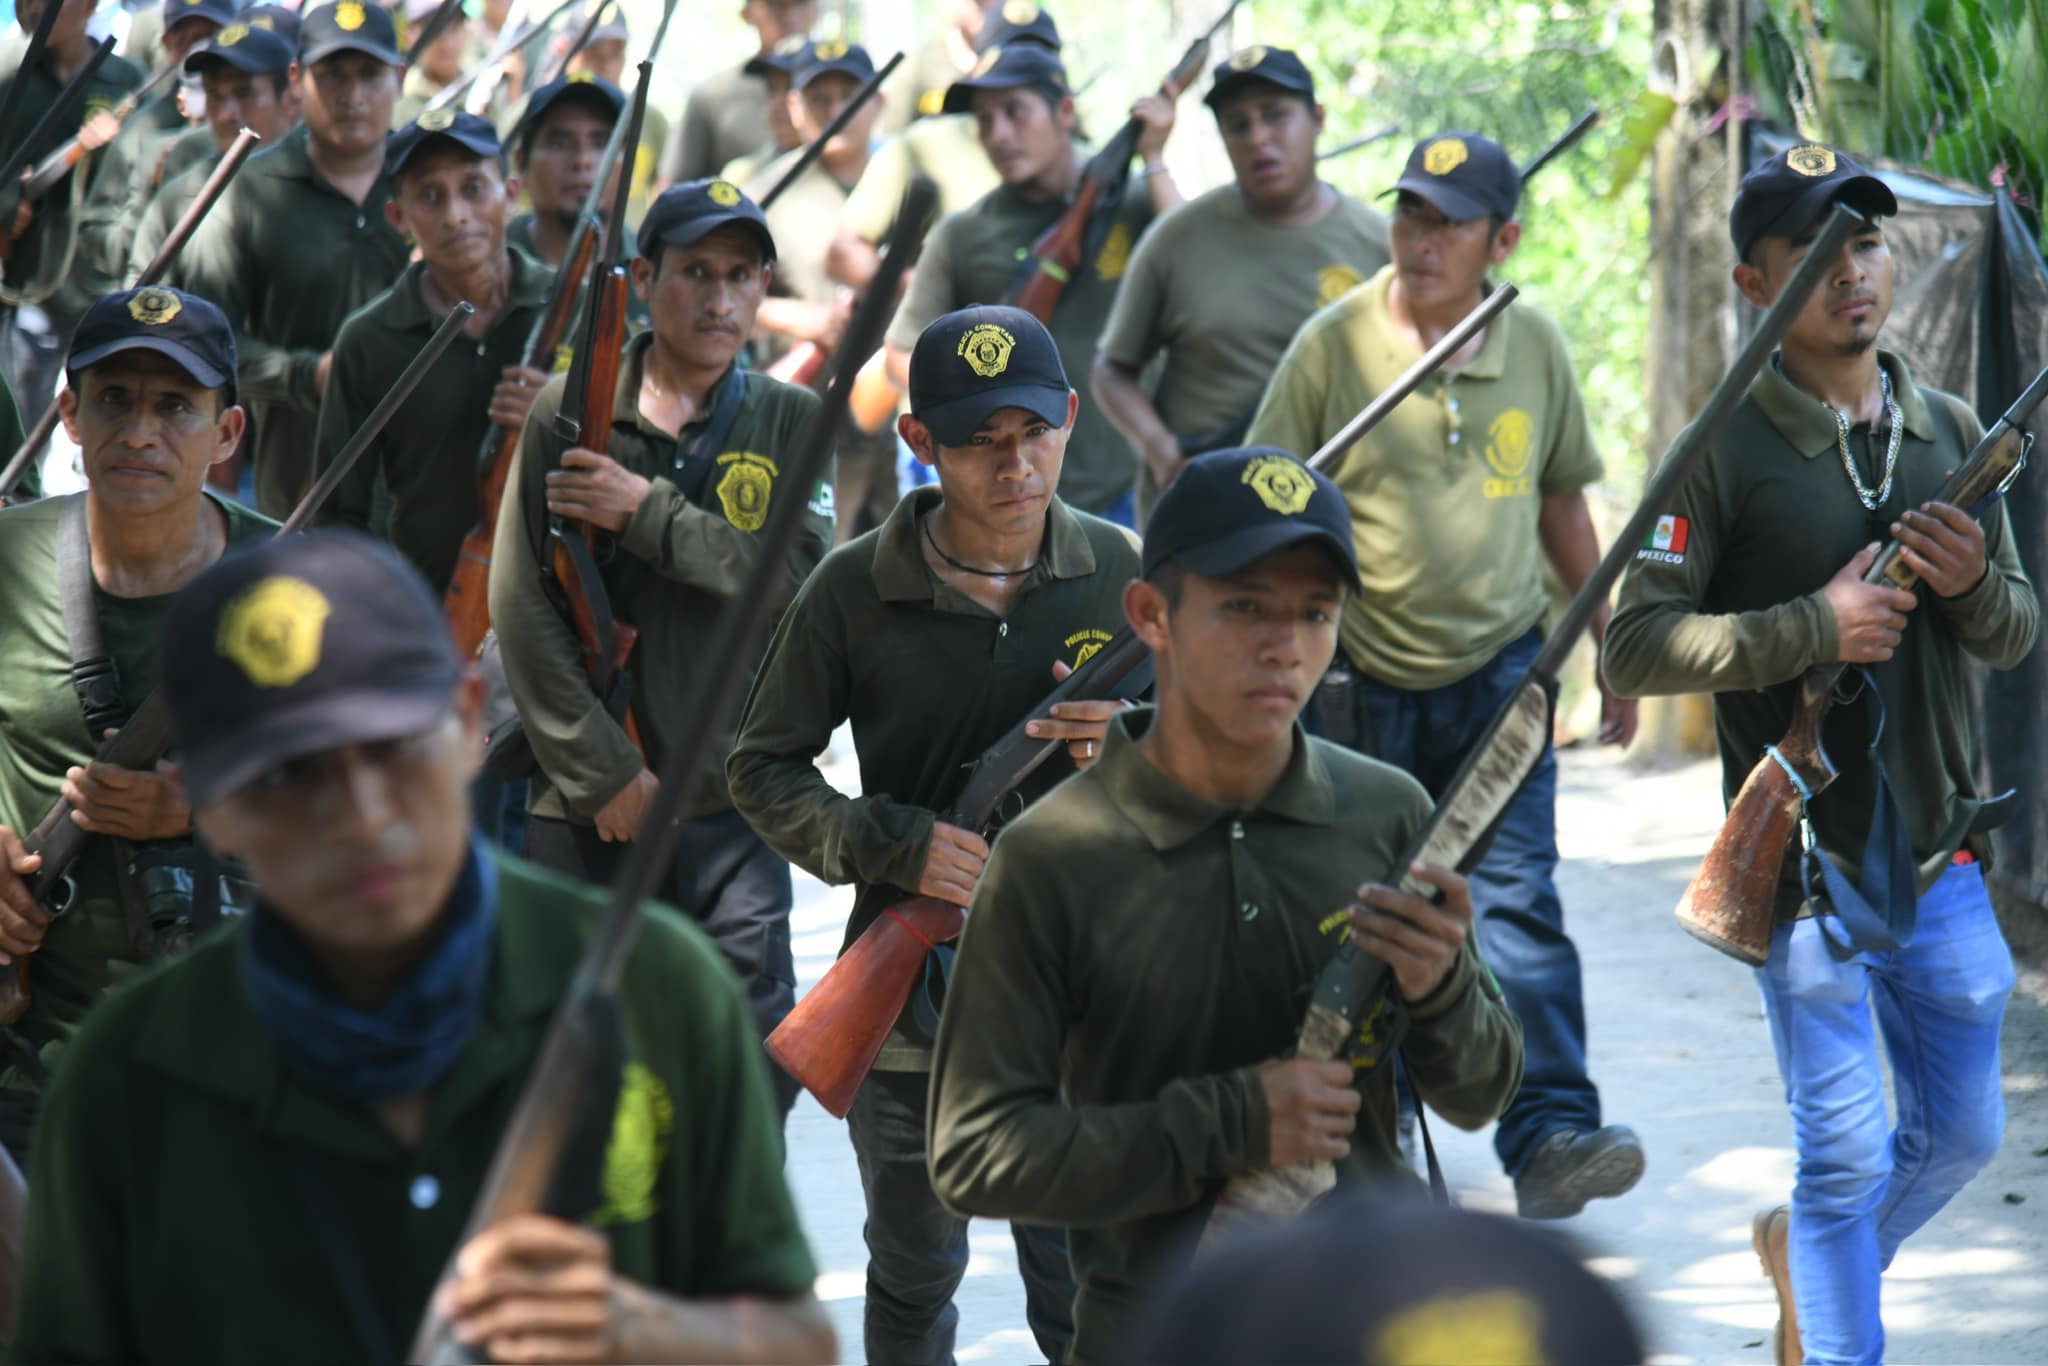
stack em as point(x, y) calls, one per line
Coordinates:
point(1666, 541)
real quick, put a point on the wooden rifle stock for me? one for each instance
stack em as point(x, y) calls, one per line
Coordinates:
point(468, 600)
point(829, 1042)
point(58, 109)
point(146, 735)
point(53, 167)
point(801, 364)
point(1731, 902)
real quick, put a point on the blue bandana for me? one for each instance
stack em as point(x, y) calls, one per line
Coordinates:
point(404, 1045)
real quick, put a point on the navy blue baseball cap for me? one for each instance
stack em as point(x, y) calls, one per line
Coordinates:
point(181, 327)
point(1017, 21)
point(1259, 66)
point(217, 12)
point(833, 56)
point(348, 26)
point(972, 363)
point(1007, 68)
point(1789, 193)
point(685, 213)
point(1463, 176)
point(300, 645)
point(603, 98)
point(788, 54)
point(472, 133)
point(244, 47)
point(1229, 508)
point(276, 18)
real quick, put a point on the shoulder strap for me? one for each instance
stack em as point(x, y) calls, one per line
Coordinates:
point(697, 457)
point(93, 675)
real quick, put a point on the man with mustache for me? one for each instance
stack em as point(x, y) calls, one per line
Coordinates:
point(693, 467)
point(1187, 292)
point(450, 195)
point(331, 1078)
point(300, 240)
point(1756, 576)
point(150, 403)
point(1115, 1040)
point(1456, 501)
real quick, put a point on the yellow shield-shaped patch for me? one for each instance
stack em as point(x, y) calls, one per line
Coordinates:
point(1283, 485)
point(1444, 156)
point(273, 630)
point(154, 307)
point(986, 349)
point(632, 1160)
point(349, 15)
point(745, 488)
point(1811, 160)
point(1509, 441)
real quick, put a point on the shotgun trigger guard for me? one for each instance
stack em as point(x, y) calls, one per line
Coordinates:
point(63, 893)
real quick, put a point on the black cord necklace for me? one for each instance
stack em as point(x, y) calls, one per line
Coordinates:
point(926, 523)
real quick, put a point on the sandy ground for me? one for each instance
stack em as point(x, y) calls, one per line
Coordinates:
point(1680, 1052)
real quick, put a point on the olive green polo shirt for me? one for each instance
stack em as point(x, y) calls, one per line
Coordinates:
point(929, 678)
point(725, 117)
point(157, 205)
point(1445, 493)
point(972, 257)
point(1133, 953)
point(288, 257)
point(689, 552)
point(945, 148)
point(169, 1224)
point(43, 734)
point(127, 163)
point(1726, 597)
point(426, 457)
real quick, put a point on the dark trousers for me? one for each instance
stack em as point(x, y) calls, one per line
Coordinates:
point(1520, 921)
point(917, 1248)
point(724, 878)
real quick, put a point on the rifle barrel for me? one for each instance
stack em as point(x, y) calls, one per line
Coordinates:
point(1581, 126)
point(17, 90)
point(576, 45)
point(507, 44)
point(443, 15)
point(1379, 135)
point(59, 109)
point(51, 168)
point(832, 130)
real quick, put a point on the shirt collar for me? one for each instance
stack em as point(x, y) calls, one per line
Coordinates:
point(1168, 815)
point(1809, 426)
point(1492, 360)
point(900, 571)
point(626, 399)
point(407, 308)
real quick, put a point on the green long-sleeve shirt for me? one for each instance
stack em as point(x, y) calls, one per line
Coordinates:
point(122, 184)
point(426, 457)
point(930, 679)
point(288, 257)
point(173, 182)
point(1726, 597)
point(691, 552)
point(1133, 953)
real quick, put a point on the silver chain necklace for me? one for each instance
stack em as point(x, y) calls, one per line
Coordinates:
point(1871, 501)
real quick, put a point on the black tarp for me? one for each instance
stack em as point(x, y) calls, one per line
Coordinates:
point(1970, 315)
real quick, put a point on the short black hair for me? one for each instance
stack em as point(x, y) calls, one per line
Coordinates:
point(1170, 577)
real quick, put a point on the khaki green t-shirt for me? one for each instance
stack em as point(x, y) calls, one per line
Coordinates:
point(972, 257)
point(1445, 493)
point(946, 148)
point(42, 734)
point(127, 1266)
point(1191, 292)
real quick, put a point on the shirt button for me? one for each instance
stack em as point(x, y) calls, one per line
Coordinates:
point(1249, 911)
point(1454, 438)
point(1002, 628)
point(359, 222)
point(1237, 830)
point(425, 1192)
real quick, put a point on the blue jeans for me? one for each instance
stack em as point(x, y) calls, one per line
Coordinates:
point(1518, 917)
point(1862, 1187)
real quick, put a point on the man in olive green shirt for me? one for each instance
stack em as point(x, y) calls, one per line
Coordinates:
point(1189, 294)
point(145, 525)
point(934, 636)
point(332, 1078)
point(726, 115)
point(450, 195)
point(679, 500)
point(1024, 113)
point(300, 240)
point(1456, 500)
point(1753, 576)
point(1115, 1041)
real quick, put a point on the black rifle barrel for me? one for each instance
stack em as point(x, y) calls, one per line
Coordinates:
point(17, 90)
point(1581, 126)
point(1379, 135)
point(443, 15)
point(577, 44)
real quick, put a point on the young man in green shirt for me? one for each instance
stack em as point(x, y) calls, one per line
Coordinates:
point(558, 145)
point(1187, 292)
point(150, 403)
point(331, 1079)
point(1115, 1041)
point(1456, 501)
point(680, 497)
point(300, 240)
point(451, 197)
point(1754, 577)
point(1024, 114)
point(933, 636)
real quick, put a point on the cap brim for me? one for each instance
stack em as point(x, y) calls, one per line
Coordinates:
point(960, 94)
point(1220, 559)
point(187, 359)
point(1866, 194)
point(388, 56)
point(1238, 81)
point(955, 421)
point(690, 231)
point(594, 97)
point(811, 73)
point(317, 724)
point(1447, 200)
point(241, 59)
point(475, 145)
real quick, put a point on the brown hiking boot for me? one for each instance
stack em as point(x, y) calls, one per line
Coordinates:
point(1768, 1233)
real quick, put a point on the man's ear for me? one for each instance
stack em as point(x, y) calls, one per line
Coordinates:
point(1073, 407)
point(234, 421)
point(918, 437)
point(1752, 285)
point(1505, 241)
point(1068, 116)
point(1146, 609)
point(642, 271)
point(395, 216)
point(67, 413)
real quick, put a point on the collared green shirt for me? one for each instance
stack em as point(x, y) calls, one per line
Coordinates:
point(288, 257)
point(725, 117)
point(43, 734)
point(120, 186)
point(157, 207)
point(972, 257)
point(690, 547)
point(426, 457)
point(1133, 953)
point(929, 678)
point(169, 1224)
point(1445, 494)
point(1726, 597)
